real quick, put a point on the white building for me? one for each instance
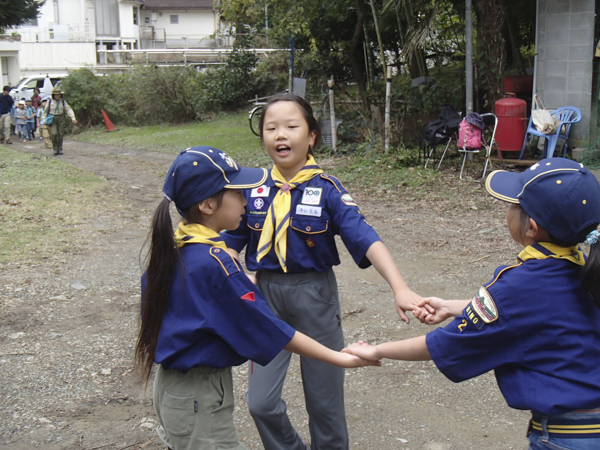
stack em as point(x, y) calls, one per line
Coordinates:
point(70, 34)
point(9, 60)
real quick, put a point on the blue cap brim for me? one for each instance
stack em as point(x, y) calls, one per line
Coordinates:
point(504, 185)
point(248, 178)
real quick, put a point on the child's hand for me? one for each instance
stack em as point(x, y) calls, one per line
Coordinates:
point(406, 300)
point(432, 310)
point(362, 350)
point(348, 360)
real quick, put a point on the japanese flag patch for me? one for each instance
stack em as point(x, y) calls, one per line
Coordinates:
point(262, 191)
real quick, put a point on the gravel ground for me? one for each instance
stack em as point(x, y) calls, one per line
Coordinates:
point(68, 324)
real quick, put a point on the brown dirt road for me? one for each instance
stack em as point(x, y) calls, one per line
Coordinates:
point(68, 324)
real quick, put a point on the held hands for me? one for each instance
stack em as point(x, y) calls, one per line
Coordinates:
point(432, 310)
point(406, 300)
point(349, 360)
point(362, 350)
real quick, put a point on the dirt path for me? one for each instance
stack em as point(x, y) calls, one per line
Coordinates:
point(67, 325)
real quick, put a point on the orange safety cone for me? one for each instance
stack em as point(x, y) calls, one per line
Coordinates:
point(107, 122)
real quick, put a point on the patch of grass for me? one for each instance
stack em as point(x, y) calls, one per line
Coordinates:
point(368, 169)
point(228, 132)
point(42, 202)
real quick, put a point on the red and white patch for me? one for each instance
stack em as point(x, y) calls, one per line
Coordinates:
point(261, 191)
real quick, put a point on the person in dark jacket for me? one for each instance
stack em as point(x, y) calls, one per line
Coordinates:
point(6, 104)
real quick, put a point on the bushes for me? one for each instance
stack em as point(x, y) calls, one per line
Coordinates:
point(150, 95)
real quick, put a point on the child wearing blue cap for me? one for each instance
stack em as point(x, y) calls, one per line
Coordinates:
point(200, 314)
point(537, 322)
point(289, 233)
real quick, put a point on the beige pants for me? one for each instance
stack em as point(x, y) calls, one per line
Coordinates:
point(195, 409)
point(5, 125)
point(46, 135)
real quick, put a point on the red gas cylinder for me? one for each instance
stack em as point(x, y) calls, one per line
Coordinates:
point(512, 123)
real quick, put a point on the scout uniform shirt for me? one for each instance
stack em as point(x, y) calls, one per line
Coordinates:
point(321, 208)
point(216, 317)
point(536, 327)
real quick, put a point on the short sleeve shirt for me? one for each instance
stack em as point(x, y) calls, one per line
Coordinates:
point(537, 329)
point(216, 317)
point(321, 209)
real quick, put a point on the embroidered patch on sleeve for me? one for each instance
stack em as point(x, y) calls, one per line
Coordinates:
point(481, 310)
point(348, 200)
point(484, 306)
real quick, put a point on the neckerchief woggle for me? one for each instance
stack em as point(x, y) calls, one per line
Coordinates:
point(543, 250)
point(194, 233)
point(274, 231)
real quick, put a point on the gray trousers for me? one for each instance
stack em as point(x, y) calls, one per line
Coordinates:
point(309, 302)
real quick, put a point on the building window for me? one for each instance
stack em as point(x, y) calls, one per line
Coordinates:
point(135, 16)
point(174, 18)
point(146, 19)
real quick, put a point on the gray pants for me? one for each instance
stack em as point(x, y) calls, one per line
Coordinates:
point(195, 409)
point(309, 302)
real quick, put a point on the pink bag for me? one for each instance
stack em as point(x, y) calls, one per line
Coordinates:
point(469, 136)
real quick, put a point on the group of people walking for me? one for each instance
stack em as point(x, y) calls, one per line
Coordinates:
point(50, 115)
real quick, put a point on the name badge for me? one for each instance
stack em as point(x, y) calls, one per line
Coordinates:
point(304, 210)
point(312, 196)
point(261, 191)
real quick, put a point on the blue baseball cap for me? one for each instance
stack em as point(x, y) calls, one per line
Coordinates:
point(200, 172)
point(561, 195)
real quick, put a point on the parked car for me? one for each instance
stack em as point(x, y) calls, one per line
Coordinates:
point(25, 87)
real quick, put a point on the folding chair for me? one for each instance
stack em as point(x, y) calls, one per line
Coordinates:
point(491, 123)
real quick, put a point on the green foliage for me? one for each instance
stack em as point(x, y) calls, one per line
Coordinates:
point(14, 13)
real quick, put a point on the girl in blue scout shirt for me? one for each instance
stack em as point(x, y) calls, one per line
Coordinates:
point(200, 313)
point(289, 234)
point(537, 323)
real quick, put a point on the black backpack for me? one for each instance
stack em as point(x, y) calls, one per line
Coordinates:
point(441, 128)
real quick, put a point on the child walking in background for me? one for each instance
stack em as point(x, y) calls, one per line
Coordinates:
point(30, 119)
point(289, 234)
point(21, 120)
point(537, 323)
point(44, 130)
point(200, 313)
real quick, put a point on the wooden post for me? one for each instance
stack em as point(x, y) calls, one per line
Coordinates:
point(388, 95)
point(332, 115)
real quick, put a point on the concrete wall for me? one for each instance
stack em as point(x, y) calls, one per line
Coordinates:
point(565, 52)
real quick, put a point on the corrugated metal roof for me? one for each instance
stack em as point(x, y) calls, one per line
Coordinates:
point(178, 4)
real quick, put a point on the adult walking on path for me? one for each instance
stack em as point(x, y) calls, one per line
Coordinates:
point(6, 104)
point(58, 108)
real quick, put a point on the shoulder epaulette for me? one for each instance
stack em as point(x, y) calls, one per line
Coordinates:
point(333, 180)
point(500, 273)
point(227, 262)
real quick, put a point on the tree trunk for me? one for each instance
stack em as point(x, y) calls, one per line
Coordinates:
point(354, 51)
point(491, 43)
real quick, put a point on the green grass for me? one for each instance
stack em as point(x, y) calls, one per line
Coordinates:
point(42, 202)
point(228, 132)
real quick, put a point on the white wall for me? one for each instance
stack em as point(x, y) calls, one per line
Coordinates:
point(190, 22)
point(128, 29)
point(56, 57)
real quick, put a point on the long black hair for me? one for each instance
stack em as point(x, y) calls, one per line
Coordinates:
point(307, 113)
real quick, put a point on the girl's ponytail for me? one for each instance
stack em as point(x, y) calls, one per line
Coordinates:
point(163, 257)
point(590, 276)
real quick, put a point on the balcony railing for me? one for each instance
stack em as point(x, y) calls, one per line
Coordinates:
point(78, 32)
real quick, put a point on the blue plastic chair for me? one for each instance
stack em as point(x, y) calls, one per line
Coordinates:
point(567, 116)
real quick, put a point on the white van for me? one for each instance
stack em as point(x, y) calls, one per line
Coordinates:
point(25, 87)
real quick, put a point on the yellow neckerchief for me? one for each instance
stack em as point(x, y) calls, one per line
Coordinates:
point(549, 250)
point(194, 233)
point(278, 215)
